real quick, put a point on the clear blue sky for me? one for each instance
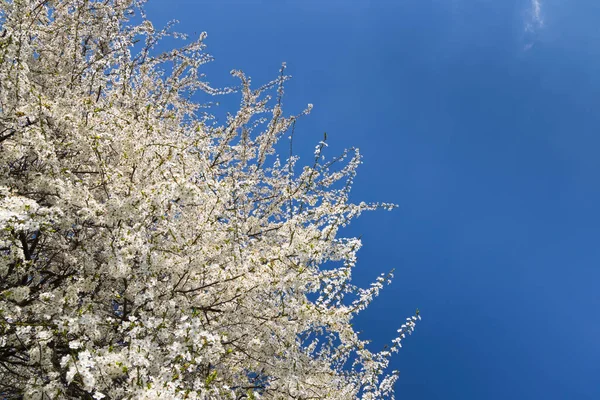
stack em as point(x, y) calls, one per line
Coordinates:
point(487, 135)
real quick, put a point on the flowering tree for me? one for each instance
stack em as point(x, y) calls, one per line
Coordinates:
point(148, 251)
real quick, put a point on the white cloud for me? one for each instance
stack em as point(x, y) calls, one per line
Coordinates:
point(534, 22)
point(528, 46)
point(536, 19)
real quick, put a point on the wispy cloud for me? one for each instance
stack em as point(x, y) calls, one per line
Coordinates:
point(534, 22)
point(536, 19)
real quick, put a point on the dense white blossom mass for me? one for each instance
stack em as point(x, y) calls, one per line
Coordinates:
point(148, 251)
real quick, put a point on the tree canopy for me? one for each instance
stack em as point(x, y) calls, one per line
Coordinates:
point(150, 250)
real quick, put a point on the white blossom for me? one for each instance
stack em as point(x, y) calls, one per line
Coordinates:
point(151, 250)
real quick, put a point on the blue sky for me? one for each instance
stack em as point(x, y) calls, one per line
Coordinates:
point(480, 120)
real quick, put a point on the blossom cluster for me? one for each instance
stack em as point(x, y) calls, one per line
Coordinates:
point(148, 250)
